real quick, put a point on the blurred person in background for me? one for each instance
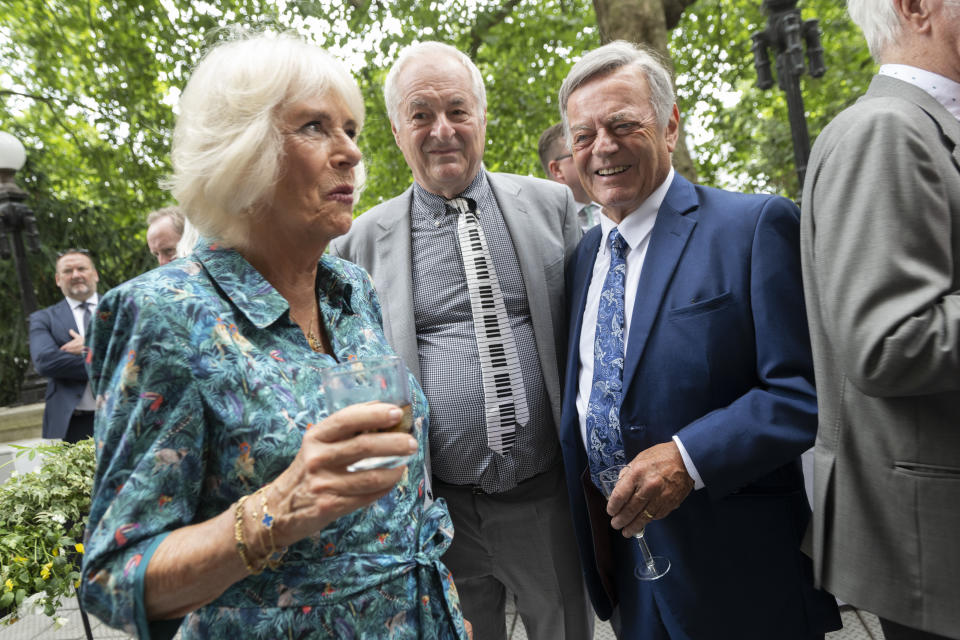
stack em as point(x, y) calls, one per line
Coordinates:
point(57, 347)
point(164, 230)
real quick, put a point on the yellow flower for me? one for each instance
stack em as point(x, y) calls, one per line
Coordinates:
point(9, 584)
point(56, 552)
point(45, 571)
point(76, 585)
point(19, 559)
point(78, 547)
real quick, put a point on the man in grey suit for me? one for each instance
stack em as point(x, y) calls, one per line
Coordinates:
point(469, 267)
point(881, 268)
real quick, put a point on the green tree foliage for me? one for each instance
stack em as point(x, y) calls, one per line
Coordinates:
point(746, 141)
point(90, 88)
point(523, 48)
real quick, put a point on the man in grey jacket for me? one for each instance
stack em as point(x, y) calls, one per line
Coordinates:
point(469, 268)
point(881, 268)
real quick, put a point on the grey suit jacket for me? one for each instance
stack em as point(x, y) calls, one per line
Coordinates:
point(880, 242)
point(541, 217)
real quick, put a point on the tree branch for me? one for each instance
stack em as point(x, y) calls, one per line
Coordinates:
point(673, 10)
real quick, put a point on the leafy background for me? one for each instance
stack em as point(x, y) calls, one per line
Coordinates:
point(89, 87)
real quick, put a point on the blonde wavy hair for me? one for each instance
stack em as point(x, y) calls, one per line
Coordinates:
point(227, 149)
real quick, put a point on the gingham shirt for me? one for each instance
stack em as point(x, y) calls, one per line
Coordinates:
point(449, 361)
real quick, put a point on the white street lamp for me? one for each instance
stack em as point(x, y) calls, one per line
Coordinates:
point(12, 153)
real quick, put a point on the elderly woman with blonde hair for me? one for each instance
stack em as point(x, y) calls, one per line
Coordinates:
point(222, 501)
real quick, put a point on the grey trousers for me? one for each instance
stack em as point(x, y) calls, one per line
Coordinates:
point(521, 540)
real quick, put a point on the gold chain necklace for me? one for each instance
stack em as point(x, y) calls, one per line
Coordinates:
point(315, 343)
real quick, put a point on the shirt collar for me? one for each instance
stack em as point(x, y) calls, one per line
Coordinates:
point(253, 295)
point(636, 226)
point(73, 302)
point(943, 89)
point(436, 204)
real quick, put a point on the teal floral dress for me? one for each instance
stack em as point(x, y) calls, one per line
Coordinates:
point(204, 389)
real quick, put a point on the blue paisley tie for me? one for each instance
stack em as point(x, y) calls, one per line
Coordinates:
point(605, 445)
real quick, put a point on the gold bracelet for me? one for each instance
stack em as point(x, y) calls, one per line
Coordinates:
point(274, 556)
point(238, 536)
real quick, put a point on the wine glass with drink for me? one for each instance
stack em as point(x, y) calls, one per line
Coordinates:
point(375, 379)
point(653, 567)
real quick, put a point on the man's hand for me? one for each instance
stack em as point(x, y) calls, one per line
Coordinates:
point(75, 346)
point(653, 485)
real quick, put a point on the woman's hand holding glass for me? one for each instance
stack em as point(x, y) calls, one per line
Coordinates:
point(372, 379)
point(317, 488)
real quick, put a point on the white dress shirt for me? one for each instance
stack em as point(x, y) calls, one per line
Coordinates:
point(87, 401)
point(635, 228)
point(943, 89)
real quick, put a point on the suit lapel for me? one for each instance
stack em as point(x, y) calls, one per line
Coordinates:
point(667, 242)
point(395, 282)
point(582, 273)
point(65, 316)
point(526, 244)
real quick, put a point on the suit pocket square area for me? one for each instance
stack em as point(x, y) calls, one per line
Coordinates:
point(697, 306)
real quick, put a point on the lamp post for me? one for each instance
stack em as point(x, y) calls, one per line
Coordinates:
point(17, 222)
point(786, 34)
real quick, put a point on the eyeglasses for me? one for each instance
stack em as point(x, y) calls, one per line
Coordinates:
point(65, 252)
point(563, 157)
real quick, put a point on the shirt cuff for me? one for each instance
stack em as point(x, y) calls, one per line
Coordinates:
point(146, 629)
point(688, 463)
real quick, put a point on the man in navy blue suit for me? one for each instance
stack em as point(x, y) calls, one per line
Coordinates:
point(688, 360)
point(56, 346)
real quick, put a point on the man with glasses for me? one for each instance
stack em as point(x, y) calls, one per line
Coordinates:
point(56, 346)
point(558, 164)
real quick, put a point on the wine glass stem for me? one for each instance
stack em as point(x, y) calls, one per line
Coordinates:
point(645, 552)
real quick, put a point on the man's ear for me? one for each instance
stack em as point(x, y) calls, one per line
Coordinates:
point(672, 133)
point(914, 14)
point(555, 172)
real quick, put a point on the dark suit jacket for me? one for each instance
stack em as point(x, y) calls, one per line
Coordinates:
point(881, 259)
point(65, 373)
point(718, 353)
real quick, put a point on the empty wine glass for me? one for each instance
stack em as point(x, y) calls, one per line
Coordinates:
point(653, 567)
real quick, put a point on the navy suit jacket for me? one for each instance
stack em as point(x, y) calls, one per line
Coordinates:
point(719, 354)
point(65, 372)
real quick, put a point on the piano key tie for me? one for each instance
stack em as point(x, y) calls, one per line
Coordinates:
point(505, 399)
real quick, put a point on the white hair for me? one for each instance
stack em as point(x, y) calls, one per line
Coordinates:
point(879, 22)
point(391, 95)
point(188, 240)
point(227, 146)
point(611, 57)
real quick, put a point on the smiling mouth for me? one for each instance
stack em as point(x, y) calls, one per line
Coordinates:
point(612, 171)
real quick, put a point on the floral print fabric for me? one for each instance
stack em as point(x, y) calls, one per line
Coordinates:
point(204, 389)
